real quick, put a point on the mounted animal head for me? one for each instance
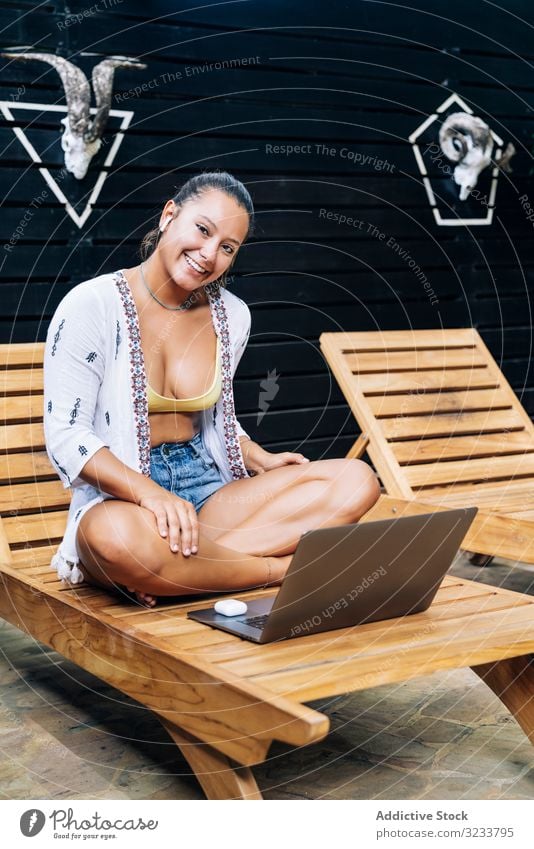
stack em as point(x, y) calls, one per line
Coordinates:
point(82, 136)
point(467, 140)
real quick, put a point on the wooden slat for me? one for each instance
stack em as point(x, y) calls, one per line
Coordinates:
point(21, 380)
point(42, 570)
point(374, 639)
point(20, 436)
point(179, 626)
point(490, 532)
point(448, 644)
point(179, 608)
point(392, 361)
point(411, 404)
point(367, 638)
point(37, 555)
point(462, 447)
point(524, 515)
point(89, 595)
point(448, 580)
point(227, 649)
point(382, 340)
point(49, 580)
point(429, 381)
point(35, 495)
point(458, 590)
point(252, 664)
point(21, 407)
point(184, 633)
point(39, 526)
point(194, 641)
point(431, 474)
point(14, 467)
point(22, 354)
point(451, 424)
point(511, 499)
point(486, 495)
point(499, 499)
point(223, 650)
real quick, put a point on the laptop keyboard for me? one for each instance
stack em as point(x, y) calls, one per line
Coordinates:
point(257, 621)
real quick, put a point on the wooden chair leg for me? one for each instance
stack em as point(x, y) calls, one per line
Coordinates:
point(480, 560)
point(512, 681)
point(219, 777)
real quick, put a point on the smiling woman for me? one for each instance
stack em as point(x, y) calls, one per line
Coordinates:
point(171, 496)
point(217, 194)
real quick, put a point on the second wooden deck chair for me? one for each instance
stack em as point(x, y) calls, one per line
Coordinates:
point(442, 426)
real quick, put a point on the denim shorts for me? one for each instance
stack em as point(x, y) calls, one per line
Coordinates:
point(186, 469)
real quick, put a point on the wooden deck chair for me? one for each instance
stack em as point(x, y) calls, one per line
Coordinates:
point(442, 426)
point(223, 700)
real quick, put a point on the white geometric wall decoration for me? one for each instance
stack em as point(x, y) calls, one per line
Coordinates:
point(454, 221)
point(8, 107)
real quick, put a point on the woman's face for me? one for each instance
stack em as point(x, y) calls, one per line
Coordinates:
point(202, 241)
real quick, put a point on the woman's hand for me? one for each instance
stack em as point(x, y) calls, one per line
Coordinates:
point(176, 518)
point(258, 460)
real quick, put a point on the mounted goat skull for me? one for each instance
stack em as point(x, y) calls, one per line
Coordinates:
point(467, 140)
point(82, 136)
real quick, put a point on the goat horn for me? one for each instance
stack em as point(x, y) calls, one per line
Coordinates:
point(102, 80)
point(75, 86)
point(504, 161)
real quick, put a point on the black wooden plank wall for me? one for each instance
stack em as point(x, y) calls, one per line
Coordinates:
point(225, 85)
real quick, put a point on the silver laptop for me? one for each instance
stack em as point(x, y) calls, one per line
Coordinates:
point(348, 575)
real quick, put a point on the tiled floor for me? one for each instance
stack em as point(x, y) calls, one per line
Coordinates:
point(66, 735)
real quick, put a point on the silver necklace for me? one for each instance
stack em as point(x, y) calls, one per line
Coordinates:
point(184, 306)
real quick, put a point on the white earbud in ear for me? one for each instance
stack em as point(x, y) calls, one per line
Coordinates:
point(165, 225)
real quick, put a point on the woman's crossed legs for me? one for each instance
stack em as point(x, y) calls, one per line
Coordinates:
point(248, 530)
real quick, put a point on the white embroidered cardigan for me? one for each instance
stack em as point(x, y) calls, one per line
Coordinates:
point(95, 393)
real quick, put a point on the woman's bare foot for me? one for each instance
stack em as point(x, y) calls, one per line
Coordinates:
point(144, 598)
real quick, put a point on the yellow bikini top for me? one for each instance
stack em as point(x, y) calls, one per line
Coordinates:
point(160, 404)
